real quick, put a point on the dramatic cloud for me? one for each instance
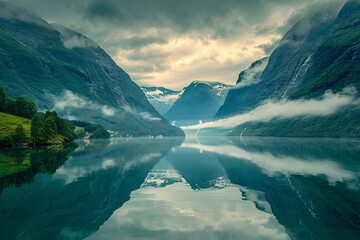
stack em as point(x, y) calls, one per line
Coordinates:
point(328, 104)
point(171, 43)
point(14, 13)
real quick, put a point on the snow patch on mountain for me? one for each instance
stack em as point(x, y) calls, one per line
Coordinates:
point(161, 98)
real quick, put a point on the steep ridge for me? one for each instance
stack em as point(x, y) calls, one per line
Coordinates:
point(248, 80)
point(286, 66)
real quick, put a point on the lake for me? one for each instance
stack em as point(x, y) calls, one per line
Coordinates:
point(201, 188)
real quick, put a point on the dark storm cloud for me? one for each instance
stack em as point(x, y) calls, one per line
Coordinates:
point(217, 19)
point(203, 39)
point(330, 7)
point(183, 16)
point(106, 10)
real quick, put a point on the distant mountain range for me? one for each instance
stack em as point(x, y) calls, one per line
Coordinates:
point(65, 71)
point(198, 102)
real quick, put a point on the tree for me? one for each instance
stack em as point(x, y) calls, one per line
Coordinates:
point(19, 107)
point(19, 136)
point(100, 132)
point(24, 108)
point(2, 99)
point(50, 127)
point(37, 129)
point(29, 110)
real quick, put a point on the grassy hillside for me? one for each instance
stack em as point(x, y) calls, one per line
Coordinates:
point(8, 124)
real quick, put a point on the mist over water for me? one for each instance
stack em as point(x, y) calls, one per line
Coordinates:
point(326, 105)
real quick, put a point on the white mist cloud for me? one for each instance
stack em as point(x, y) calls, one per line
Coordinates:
point(328, 104)
point(14, 12)
point(143, 115)
point(108, 111)
point(148, 116)
point(71, 39)
point(77, 42)
point(253, 75)
point(69, 101)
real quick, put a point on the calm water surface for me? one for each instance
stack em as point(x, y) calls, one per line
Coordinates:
point(206, 188)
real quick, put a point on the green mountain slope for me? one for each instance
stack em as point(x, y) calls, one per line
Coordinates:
point(63, 70)
point(334, 65)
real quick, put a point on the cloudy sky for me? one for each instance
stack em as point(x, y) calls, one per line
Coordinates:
point(170, 42)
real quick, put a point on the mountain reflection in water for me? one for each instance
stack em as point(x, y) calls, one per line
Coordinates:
point(207, 188)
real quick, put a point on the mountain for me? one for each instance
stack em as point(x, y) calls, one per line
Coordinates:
point(161, 98)
point(199, 101)
point(65, 71)
point(306, 65)
point(336, 62)
point(243, 88)
point(286, 65)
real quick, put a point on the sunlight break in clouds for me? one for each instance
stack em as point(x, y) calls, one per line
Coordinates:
point(328, 104)
point(185, 58)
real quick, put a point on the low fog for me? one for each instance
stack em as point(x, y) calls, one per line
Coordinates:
point(326, 105)
point(69, 101)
